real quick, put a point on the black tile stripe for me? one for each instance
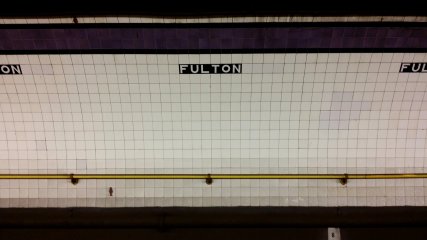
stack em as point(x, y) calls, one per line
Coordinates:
point(211, 25)
point(215, 217)
point(215, 51)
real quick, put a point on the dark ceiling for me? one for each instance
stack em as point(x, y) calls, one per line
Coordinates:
point(202, 8)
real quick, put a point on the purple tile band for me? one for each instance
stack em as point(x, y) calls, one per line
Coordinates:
point(212, 38)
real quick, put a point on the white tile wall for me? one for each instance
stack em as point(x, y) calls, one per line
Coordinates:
point(286, 113)
point(136, 19)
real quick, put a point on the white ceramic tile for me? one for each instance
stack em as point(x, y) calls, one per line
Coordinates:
point(304, 113)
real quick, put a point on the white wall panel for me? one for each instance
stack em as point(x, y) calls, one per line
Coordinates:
point(286, 113)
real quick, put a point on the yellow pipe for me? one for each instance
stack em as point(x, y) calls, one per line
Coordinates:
point(387, 176)
point(34, 176)
point(213, 176)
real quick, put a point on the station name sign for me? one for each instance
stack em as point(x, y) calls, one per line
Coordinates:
point(210, 68)
point(10, 69)
point(413, 68)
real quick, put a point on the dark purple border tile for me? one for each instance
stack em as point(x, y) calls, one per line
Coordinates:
point(268, 38)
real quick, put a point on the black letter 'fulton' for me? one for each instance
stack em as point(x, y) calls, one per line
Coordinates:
point(10, 69)
point(413, 67)
point(210, 68)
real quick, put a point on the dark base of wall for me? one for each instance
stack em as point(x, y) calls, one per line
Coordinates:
point(214, 217)
point(210, 233)
point(214, 223)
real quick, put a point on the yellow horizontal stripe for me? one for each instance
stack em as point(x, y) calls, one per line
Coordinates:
point(213, 176)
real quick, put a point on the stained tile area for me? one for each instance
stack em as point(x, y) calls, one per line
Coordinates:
point(285, 113)
point(228, 19)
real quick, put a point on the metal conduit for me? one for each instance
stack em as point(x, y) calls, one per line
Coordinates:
point(214, 176)
point(210, 177)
